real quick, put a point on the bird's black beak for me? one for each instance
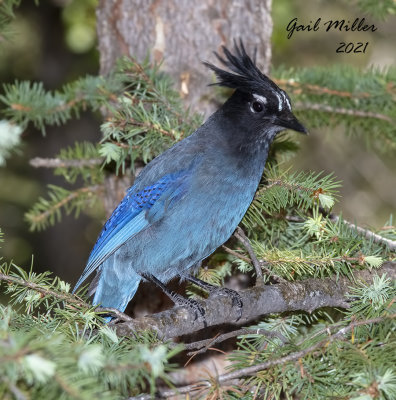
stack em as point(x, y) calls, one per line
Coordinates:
point(289, 121)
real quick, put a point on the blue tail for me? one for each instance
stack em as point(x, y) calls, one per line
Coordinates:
point(116, 285)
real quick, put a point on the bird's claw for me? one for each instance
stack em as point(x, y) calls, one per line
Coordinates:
point(192, 305)
point(220, 291)
point(234, 295)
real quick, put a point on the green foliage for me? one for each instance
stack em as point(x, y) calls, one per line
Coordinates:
point(362, 101)
point(48, 211)
point(7, 15)
point(290, 250)
point(389, 230)
point(148, 118)
point(378, 9)
point(80, 161)
point(56, 346)
point(283, 190)
point(26, 101)
point(358, 364)
point(368, 299)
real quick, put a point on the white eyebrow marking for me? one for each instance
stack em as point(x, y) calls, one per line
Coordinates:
point(286, 100)
point(261, 98)
point(288, 103)
point(279, 101)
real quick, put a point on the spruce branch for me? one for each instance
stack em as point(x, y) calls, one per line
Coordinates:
point(43, 290)
point(236, 254)
point(259, 265)
point(29, 102)
point(311, 261)
point(66, 388)
point(368, 234)
point(240, 235)
point(362, 101)
point(312, 184)
point(59, 354)
point(124, 145)
point(304, 87)
point(146, 126)
point(303, 189)
point(378, 10)
point(285, 190)
point(6, 16)
point(341, 334)
point(283, 183)
point(137, 72)
point(149, 116)
point(311, 246)
point(39, 162)
point(45, 212)
point(80, 160)
point(306, 295)
point(204, 345)
point(18, 394)
point(345, 111)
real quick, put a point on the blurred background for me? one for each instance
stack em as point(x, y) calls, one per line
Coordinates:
point(55, 42)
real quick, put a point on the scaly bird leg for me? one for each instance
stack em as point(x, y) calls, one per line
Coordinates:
point(179, 300)
point(220, 291)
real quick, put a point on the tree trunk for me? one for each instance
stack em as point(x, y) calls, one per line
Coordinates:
point(181, 34)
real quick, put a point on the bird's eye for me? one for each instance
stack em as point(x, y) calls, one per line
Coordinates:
point(257, 106)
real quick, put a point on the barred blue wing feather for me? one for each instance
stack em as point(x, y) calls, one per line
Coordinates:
point(131, 217)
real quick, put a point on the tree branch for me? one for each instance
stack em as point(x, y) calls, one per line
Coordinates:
point(297, 87)
point(299, 354)
point(39, 162)
point(240, 235)
point(279, 182)
point(306, 295)
point(236, 254)
point(344, 111)
point(204, 345)
point(18, 395)
point(248, 371)
point(367, 233)
point(68, 298)
point(36, 218)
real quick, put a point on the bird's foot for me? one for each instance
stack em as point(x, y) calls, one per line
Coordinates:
point(230, 293)
point(235, 296)
point(220, 291)
point(191, 304)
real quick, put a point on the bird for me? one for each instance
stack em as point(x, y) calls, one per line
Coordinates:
point(189, 200)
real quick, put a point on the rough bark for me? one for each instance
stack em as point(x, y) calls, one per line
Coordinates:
point(258, 301)
point(182, 33)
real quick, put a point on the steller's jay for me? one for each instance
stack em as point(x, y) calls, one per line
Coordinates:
point(189, 200)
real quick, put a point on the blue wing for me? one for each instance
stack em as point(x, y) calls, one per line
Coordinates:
point(136, 211)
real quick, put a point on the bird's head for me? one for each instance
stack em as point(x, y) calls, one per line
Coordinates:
point(257, 102)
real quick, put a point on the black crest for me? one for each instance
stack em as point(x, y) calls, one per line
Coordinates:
point(245, 75)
